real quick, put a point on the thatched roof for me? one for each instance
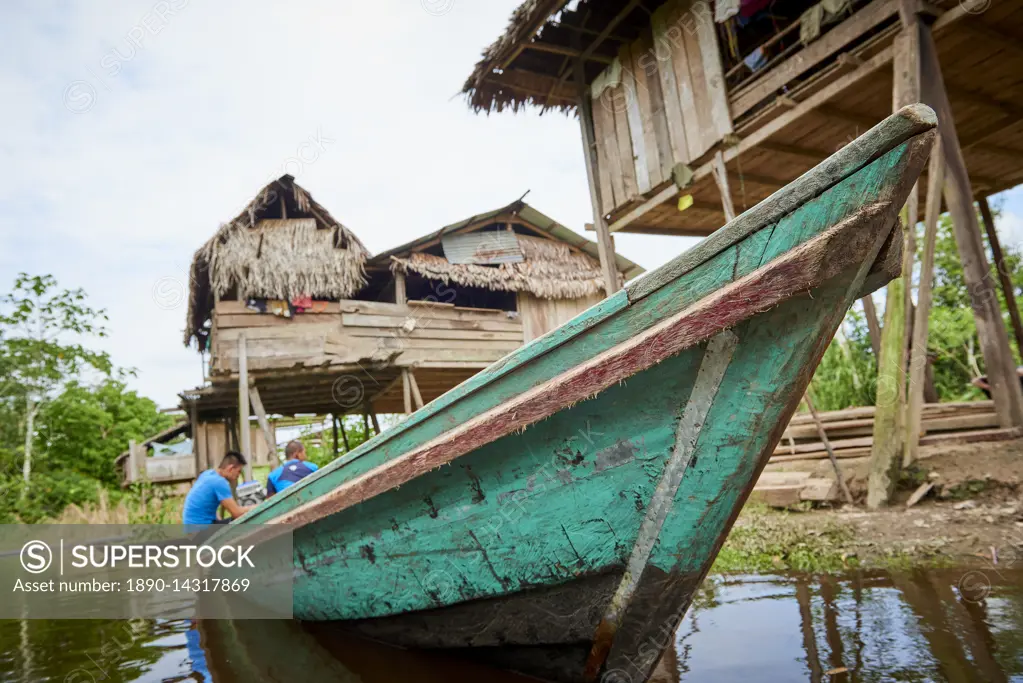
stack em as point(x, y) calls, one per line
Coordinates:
point(558, 263)
point(282, 245)
point(532, 62)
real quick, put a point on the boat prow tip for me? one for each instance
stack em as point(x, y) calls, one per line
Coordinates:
point(919, 114)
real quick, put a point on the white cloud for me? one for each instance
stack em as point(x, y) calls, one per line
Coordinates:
point(183, 125)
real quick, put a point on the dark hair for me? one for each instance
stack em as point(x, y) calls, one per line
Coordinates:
point(293, 448)
point(233, 458)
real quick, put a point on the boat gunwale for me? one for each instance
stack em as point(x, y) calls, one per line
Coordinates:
point(888, 134)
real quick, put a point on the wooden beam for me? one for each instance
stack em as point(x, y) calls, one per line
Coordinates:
point(605, 245)
point(245, 435)
point(1001, 368)
point(264, 424)
point(918, 357)
point(864, 69)
point(890, 414)
point(1003, 272)
point(333, 429)
point(994, 34)
point(418, 397)
point(965, 8)
point(554, 49)
point(873, 327)
point(344, 432)
point(406, 388)
point(399, 288)
point(721, 178)
point(805, 59)
point(813, 155)
point(823, 436)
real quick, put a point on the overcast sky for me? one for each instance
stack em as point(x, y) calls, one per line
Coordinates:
point(131, 130)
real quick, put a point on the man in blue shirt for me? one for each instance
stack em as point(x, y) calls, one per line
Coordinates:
point(212, 489)
point(294, 468)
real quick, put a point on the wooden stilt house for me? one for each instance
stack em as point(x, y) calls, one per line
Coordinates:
point(296, 318)
point(694, 110)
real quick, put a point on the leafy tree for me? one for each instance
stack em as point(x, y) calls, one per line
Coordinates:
point(85, 428)
point(39, 328)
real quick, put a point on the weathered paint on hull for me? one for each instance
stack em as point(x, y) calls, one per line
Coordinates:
point(582, 536)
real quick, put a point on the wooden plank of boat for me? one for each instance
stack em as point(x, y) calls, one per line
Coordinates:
point(555, 513)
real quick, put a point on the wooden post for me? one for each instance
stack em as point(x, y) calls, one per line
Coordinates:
point(373, 416)
point(918, 359)
point(823, 435)
point(406, 390)
point(264, 423)
point(333, 424)
point(400, 297)
point(418, 397)
point(344, 433)
point(1003, 275)
point(873, 327)
point(994, 341)
point(133, 472)
point(721, 178)
point(245, 436)
point(890, 412)
point(605, 246)
point(193, 418)
point(365, 423)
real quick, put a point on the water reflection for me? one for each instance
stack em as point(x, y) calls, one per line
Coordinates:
point(861, 627)
point(927, 626)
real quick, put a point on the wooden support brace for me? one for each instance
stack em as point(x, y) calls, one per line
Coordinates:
point(415, 390)
point(245, 436)
point(889, 418)
point(1001, 368)
point(605, 245)
point(406, 387)
point(846, 495)
point(264, 423)
point(873, 326)
point(721, 178)
point(333, 429)
point(918, 359)
point(344, 433)
point(1003, 274)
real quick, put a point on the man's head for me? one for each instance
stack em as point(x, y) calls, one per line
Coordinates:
point(231, 466)
point(294, 451)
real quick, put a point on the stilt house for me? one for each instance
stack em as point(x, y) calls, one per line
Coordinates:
point(296, 318)
point(694, 110)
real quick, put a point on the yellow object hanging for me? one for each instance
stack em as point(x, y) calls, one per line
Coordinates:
point(685, 201)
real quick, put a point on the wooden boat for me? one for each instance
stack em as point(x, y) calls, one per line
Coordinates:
point(555, 513)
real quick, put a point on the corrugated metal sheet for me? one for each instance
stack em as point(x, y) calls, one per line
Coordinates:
point(482, 248)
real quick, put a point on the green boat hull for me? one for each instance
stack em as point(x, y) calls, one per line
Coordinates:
point(555, 513)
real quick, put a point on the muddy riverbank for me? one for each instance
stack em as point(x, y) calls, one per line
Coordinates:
point(971, 516)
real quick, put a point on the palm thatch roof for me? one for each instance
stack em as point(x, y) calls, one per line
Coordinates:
point(532, 62)
point(557, 263)
point(282, 245)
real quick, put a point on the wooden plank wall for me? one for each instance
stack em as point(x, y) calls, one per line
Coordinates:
point(351, 331)
point(540, 316)
point(662, 103)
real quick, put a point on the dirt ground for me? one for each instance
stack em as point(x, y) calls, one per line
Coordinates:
point(973, 514)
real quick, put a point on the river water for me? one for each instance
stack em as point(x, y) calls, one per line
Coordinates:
point(948, 625)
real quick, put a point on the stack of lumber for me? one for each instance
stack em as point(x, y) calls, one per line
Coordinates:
point(850, 433)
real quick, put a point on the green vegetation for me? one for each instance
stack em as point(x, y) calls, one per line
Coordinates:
point(65, 411)
point(847, 373)
point(762, 541)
